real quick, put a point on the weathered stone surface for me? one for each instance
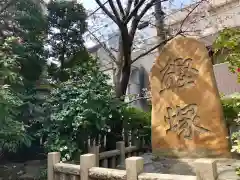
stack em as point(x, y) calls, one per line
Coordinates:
point(225, 167)
point(67, 168)
point(107, 174)
point(187, 116)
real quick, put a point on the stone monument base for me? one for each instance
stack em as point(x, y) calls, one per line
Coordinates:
point(226, 168)
point(197, 153)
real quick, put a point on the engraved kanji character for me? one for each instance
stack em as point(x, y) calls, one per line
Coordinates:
point(184, 121)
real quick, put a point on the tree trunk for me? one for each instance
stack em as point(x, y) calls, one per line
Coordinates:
point(121, 79)
point(159, 15)
point(123, 71)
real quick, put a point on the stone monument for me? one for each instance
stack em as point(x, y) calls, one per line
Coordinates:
point(187, 116)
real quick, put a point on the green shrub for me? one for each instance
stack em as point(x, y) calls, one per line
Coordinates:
point(138, 122)
point(12, 133)
point(79, 109)
point(231, 108)
point(83, 108)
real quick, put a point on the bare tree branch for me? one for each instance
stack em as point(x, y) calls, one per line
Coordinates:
point(129, 5)
point(92, 13)
point(189, 13)
point(147, 7)
point(137, 18)
point(136, 2)
point(134, 11)
point(110, 54)
point(115, 12)
point(133, 29)
point(120, 8)
point(155, 47)
point(108, 13)
point(165, 41)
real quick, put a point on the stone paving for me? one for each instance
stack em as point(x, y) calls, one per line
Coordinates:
point(226, 167)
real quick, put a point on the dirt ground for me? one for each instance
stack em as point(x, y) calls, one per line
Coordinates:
point(22, 171)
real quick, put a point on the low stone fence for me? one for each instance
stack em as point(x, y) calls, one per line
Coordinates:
point(205, 170)
point(115, 158)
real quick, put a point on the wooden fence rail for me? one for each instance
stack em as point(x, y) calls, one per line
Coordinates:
point(205, 170)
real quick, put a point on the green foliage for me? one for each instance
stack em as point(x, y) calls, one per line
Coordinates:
point(67, 24)
point(231, 107)
point(139, 122)
point(83, 108)
point(227, 44)
point(43, 174)
point(79, 108)
point(9, 66)
point(24, 20)
point(23, 59)
point(23, 52)
point(22, 35)
point(81, 105)
point(12, 132)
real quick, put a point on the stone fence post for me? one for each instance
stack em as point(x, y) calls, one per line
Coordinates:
point(87, 161)
point(95, 150)
point(53, 158)
point(120, 145)
point(134, 166)
point(206, 169)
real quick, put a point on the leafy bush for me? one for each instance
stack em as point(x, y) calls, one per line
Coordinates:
point(138, 122)
point(83, 108)
point(12, 133)
point(78, 109)
point(231, 108)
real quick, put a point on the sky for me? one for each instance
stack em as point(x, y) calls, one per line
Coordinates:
point(89, 4)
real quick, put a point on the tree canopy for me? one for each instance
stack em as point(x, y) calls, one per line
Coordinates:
point(66, 26)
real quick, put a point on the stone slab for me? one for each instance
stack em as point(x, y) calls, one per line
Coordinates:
point(187, 116)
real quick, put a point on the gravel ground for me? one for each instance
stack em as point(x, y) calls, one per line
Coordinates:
point(226, 167)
